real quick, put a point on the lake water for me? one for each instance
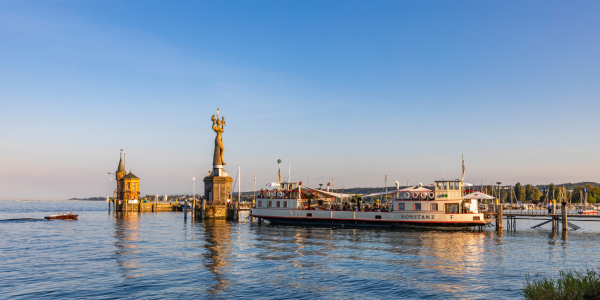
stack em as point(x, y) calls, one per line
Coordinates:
point(162, 255)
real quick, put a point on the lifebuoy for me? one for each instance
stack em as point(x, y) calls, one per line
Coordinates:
point(280, 194)
point(268, 194)
point(432, 195)
point(415, 195)
point(423, 195)
point(406, 195)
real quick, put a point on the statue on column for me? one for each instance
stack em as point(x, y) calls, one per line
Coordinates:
point(218, 127)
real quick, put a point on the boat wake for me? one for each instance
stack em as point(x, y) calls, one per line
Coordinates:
point(21, 220)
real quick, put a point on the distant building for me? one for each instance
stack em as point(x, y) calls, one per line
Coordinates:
point(128, 185)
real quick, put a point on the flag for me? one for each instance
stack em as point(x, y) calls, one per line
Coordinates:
point(463, 171)
point(279, 174)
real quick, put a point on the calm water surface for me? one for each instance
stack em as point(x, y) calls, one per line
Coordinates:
point(161, 255)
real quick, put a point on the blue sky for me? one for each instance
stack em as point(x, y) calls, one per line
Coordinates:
point(353, 90)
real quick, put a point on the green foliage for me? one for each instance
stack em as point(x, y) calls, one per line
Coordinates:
point(356, 199)
point(518, 190)
point(309, 198)
point(568, 285)
point(551, 192)
point(535, 194)
point(504, 196)
point(528, 192)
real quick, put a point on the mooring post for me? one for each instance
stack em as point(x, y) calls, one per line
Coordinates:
point(564, 218)
point(235, 210)
point(194, 207)
point(499, 218)
point(109, 205)
point(185, 209)
point(203, 208)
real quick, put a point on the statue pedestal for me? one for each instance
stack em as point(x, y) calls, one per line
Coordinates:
point(218, 188)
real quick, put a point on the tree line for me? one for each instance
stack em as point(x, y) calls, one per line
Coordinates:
point(570, 192)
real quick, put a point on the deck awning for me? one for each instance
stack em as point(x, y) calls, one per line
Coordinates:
point(478, 195)
point(328, 194)
point(408, 190)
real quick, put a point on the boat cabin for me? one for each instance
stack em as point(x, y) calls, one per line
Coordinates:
point(286, 197)
point(446, 197)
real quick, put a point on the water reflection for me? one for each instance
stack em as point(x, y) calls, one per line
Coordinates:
point(217, 236)
point(125, 237)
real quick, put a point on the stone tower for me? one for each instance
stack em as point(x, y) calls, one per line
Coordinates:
point(128, 185)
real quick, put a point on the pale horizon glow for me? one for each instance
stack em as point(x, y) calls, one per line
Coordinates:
point(344, 89)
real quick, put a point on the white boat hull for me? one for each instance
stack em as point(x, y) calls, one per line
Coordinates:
point(412, 220)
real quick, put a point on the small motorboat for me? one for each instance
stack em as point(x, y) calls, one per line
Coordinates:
point(588, 212)
point(61, 216)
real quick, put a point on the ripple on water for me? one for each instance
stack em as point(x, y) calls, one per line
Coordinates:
point(103, 256)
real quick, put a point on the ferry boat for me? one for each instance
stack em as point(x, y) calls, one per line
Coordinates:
point(442, 208)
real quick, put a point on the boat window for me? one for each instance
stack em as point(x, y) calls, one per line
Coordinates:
point(278, 204)
point(259, 203)
point(401, 206)
point(456, 185)
point(433, 207)
point(417, 206)
point(451, 208)
point(269, 203)
point(445, 185)
point(284, 204)
point(309, 214)
point(439, 185)
point(377, 217)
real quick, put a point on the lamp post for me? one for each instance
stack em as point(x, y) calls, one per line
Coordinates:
point(499, 183)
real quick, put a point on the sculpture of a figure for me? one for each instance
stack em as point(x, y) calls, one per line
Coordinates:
point(218, 127)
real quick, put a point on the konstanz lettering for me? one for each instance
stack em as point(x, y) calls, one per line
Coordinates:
point(419, 217)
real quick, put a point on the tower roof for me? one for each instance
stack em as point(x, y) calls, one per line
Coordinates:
point(131, 176)
point(121, 168)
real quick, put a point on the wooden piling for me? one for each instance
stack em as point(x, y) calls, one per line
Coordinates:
point(203, 209)
point(235, 210)
point(185, 208)
point(109, 206)
point(194, 207)
point(499, 218)
point(564, 219)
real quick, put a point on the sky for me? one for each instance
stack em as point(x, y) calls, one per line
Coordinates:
point(349, 90)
